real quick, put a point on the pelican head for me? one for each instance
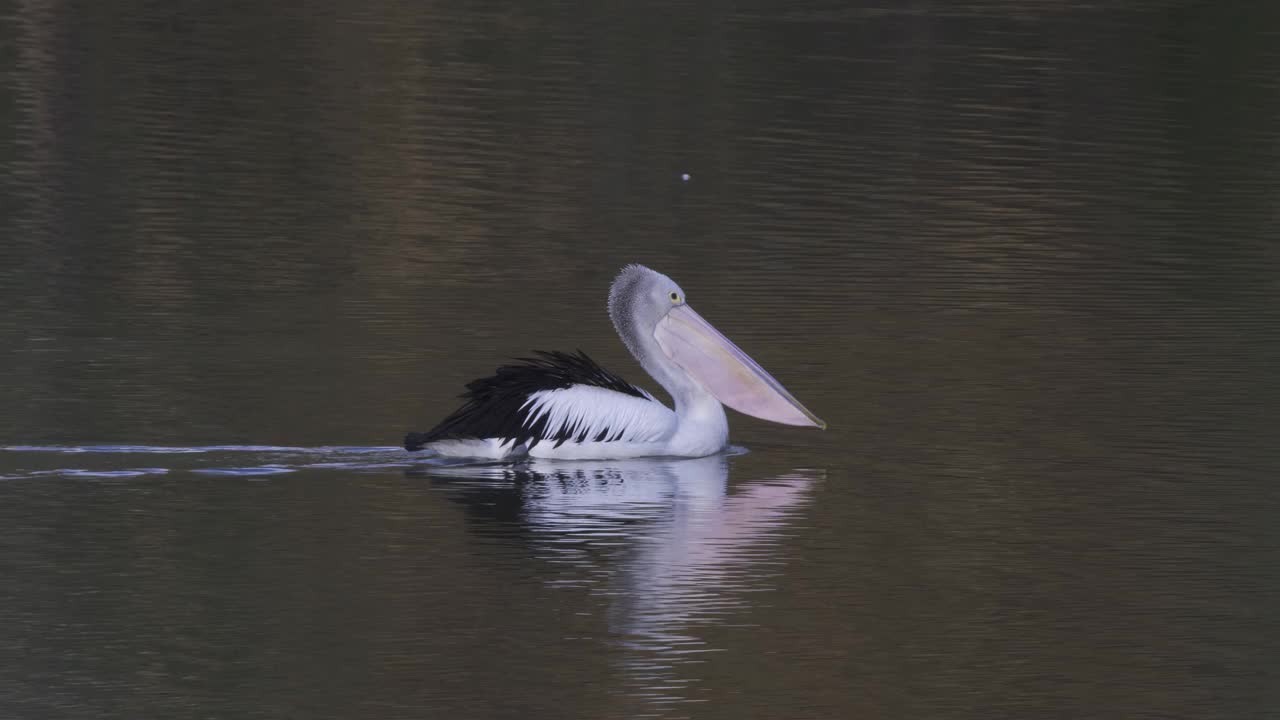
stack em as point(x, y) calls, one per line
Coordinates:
point(689, 356)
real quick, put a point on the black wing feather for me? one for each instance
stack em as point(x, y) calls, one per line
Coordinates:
point(494, 406)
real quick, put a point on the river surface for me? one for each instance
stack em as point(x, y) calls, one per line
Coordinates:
point(1023, 260)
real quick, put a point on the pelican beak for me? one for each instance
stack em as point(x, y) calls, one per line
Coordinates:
point(725, 371)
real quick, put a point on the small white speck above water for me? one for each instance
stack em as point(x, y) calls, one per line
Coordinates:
point(685, 177)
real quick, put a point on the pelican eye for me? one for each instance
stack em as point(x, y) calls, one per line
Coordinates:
point(675, 297)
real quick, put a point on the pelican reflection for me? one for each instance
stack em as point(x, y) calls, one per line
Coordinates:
point(667, 544)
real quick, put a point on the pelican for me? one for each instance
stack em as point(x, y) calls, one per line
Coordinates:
point(561, 405)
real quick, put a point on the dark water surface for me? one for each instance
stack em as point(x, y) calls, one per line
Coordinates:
point(1024, 261)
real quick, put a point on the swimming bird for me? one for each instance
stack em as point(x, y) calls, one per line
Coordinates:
point(561, 405)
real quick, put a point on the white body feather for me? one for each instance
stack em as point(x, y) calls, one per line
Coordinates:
point(584, 409)
point(634, 427)
point(487, 449)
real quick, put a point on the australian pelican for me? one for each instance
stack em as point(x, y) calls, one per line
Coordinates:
point(566, 406)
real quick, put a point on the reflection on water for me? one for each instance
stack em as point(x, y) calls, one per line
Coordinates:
point(664, 541)
point(624, 579)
